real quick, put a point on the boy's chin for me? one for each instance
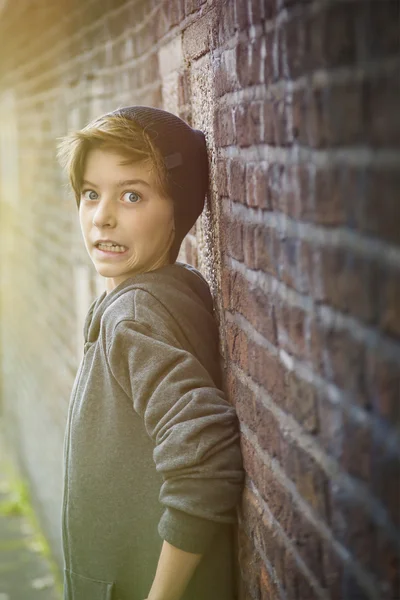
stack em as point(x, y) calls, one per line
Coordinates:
point(113, 272)
point(108, 270)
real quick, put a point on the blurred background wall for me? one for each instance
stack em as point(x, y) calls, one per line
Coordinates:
point(299, 241)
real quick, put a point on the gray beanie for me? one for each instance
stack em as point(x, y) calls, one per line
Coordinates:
point(185, 156)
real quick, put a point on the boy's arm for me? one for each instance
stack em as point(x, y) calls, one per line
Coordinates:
point(174, 571)
point(197, 442)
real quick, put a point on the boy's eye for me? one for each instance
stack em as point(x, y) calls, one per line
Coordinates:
point(131, 197)
point(89, 194)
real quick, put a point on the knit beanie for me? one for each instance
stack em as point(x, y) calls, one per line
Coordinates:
point(185, 156)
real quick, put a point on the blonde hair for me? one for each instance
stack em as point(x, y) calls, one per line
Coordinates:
point(115, 133)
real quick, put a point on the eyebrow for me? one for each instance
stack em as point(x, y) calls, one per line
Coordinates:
point(121, 183)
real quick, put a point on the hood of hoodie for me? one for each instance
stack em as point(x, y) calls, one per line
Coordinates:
point(186, 294)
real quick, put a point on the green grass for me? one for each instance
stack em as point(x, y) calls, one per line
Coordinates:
point(18, 503)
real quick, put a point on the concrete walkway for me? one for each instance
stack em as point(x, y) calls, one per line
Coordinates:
point(25, 572)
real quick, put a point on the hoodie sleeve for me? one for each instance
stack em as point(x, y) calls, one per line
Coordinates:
point(194, 428)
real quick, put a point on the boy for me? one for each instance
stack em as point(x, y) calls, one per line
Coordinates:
point(153, 465)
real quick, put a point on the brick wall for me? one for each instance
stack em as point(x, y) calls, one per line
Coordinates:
point(299, 241)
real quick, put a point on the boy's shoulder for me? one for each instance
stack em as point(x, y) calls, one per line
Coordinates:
point(144, 304)
point(171, 302)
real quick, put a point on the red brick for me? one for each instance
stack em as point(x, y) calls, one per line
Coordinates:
point(297, 585)
point(270, 8)
point(275, 183)
point(242, 399)
point(225, 75)
point(269, 588)
point(222, 177)
point(237, 181)
point(252, 302)
point(231, 230)
point(357, 448)
point(250, 512)
point(192, 5)
point(184, 88)
point(385, 475)
point(331, 37)
point(265, 249)
point(242, 13)
point(115, 24)
point(252, 463)
point(379, 192)
point(352, 588)
point(249, 13)
point(387, 566)
point(328, 205)
point(266, 370)
point(310, 479)
point(248, 58)
point(335, 115)
point(237, 345)
point(226, 23)
point(291, 572)
point(251, 563)
point(249, 230)
point(257, 190)
point(331, 429)
point(344, 113)
point(226, 289)
point(305, 589)
point(312, 128)
point(306, 541)
point(280, 111)
point(333, 571)
point(261, 532)
point(294, 193)
point(272, 546)
point(162, 22)
point(306, 272)
point(267, 429)
point(287, 455)
point(248, 123)
point(298, 115)
point(353, 527)
point(196, 37)
point(383, 388)
point(381, 23)
point(382, 100)
point(288, 260)
point(224, 126)
point(277, 497)
point(235, 239)
point(390, 314)
point(292, 327)
point(274, 494)
point(342, 360)
point(292, 44)
point(175, 12)
point(300, 400)
point(350, 283)
point(269, 125)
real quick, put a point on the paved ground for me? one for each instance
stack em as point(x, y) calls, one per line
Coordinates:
point(25, 572)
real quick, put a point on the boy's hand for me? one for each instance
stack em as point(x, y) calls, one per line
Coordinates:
point(174, 570)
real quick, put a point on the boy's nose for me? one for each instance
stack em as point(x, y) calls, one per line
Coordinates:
point(104, 215)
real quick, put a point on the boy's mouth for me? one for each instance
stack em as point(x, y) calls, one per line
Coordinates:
point(108, 248)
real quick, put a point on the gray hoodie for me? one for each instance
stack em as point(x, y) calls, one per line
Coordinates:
point(152, 447)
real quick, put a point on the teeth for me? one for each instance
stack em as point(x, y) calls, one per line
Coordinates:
point(111, 247)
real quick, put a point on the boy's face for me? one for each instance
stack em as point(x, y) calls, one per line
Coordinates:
point(131, 213)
